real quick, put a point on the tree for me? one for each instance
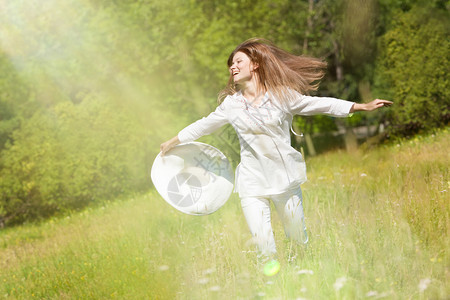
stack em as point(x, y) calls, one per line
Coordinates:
point(71, 156)
point(14, 100)
point(413, 70)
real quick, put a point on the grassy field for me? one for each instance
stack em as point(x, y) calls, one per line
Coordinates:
point(378, 222)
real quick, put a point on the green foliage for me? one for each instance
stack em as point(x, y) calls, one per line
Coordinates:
point(78, 76)
point(413, 69)
point(13, 100)
point(81, 87)
point(226, 24)
point(68, 157)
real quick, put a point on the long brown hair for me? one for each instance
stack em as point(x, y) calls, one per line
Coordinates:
point(279, 71)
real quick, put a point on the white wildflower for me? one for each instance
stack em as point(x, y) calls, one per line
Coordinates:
point(423, 284)
point(372, 294)
point(163, 268)
point(215, 288)
point(203, 281)
point(208, 271)
point(339, 284)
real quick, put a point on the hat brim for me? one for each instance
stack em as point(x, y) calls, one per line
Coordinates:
point(195, 178)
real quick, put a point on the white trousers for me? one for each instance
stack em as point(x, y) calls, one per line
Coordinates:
point(290, 210)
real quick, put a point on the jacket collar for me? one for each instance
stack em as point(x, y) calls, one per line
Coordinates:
point(238, 95)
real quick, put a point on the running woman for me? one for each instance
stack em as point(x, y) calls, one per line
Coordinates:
point(266, 88)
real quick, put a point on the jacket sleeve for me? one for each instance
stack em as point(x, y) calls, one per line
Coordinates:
point(309, 105)
point(206, 125)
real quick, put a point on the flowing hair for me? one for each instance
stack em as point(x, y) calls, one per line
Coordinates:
point(279, 72)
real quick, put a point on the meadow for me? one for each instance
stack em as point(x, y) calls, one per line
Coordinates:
point(378, 222)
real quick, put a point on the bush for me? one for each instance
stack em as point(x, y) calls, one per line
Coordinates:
point(69, 157)
point(413, 68)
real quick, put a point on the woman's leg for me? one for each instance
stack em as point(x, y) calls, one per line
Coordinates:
point(290, 209)
point(257, 213)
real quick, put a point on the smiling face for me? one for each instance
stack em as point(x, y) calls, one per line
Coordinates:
point(241, 68)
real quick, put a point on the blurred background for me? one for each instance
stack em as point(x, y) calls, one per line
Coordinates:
point(89, 89)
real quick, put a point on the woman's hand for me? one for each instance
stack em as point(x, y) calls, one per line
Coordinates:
point(166, 146)
point(377, 103)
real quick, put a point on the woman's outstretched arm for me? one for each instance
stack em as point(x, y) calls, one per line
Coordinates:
point(377, 103)
point(201, 127)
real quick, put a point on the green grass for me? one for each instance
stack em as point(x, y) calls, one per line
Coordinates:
point(378, 223)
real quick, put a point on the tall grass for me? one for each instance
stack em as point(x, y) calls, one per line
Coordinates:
point(378, 222)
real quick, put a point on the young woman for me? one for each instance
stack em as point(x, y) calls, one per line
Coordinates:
point(267, 87)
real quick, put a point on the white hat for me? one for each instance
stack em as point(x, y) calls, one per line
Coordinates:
point(195, 178)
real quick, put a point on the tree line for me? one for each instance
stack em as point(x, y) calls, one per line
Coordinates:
point(90, 88)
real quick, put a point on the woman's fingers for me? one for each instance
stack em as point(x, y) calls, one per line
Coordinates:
point(377, 103)
point(385, 102)
point(166, 146)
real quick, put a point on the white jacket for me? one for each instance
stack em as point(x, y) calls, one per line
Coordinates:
point(269, 165)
